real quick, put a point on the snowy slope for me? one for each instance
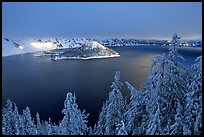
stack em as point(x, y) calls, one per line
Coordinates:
point(11, 46)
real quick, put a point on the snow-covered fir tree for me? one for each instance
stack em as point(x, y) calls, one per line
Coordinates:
point(29, 122)
point(177, 127)
point(166, 86)
point(55, 129)
point(83, 122)
point(44, 127)
point(22, 125)
point(114, 109)
point(181, 71)
point(155, 91)
point(193, 107)
point(173, 50)
point(74, 121)
point(4, 121)
point(48, 127)
point(39, 127)
point(8, 127)
point(136, 115)
point(16, 118)
point(99, 129)
point(155, 125)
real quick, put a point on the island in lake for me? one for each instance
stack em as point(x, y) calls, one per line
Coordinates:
point(84, 50)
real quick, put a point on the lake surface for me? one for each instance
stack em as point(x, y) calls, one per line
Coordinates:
point(42, 84)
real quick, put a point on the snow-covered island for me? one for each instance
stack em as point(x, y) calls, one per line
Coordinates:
point(83, 50)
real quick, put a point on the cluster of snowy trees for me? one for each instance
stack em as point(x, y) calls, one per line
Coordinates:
point(170, 103)
point(74, 121)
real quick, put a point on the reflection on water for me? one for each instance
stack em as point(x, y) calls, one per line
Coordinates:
point(42, 84)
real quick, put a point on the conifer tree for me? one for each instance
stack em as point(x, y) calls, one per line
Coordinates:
point(136, 115)
point(99, 129)
point(38, 125)
point(115, 107)
point(16, 118)
point(74, 121)
point(8, 127)
point(165, 87)
point(193, 99)
point(28, 121)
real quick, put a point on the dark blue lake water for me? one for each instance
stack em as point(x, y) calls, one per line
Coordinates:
point(42, 84)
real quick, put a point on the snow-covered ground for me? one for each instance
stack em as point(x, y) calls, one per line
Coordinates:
point(33, 45)
point(29, 46)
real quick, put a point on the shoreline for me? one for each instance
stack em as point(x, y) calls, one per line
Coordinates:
point(199, 48)
point(82, 58)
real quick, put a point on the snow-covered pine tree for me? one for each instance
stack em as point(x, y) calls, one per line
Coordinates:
point(155, 125)
point(16, 117)
point(49, 127)
point(197, 70)
point(165, 87)
point(4, 121)
point(169, 78)
point(177, 127)
point(173, 52)
point(29, 122)
point(112, 110)
point(74, 121)
point(83, 122)
point(55, 129)
point(150, 90)
point(22, 125)
point(115, 107)
point(38, 125)
point(136, 115)
point(8, 127)
point(153, 93)
point(121, 129)
point(193, 107)
point(179, 70)
point(99, 129)
point(188, 126)
point(46, 128)
point(198, 123)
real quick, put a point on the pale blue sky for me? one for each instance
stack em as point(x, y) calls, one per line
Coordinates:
point(102, 20)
